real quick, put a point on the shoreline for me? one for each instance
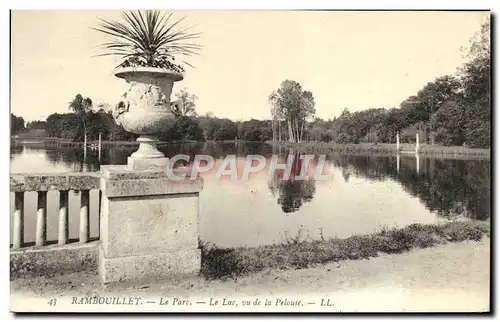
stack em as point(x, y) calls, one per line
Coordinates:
point(382, 149)
point(298, 253)
point(385, 149)
point(51, 142)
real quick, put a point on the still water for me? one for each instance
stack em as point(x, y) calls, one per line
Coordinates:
point(363, 195)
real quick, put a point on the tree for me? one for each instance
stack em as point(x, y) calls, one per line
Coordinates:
point(476, 83)
point(185, 104)
point(16, 124)
point(478, 123)
point(183, 128)
point(435, 93)
point(36, 125)
point(227, 130)
point(295, 105)
point(320, 130)
point(62, 125)
point(277, 122)
point(208, 124)
point(255, 130)
point(306, 112)
point(81, 107)
point(100, 122)
point(448, 124)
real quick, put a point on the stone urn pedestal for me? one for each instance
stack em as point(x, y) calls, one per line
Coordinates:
point(148, 226)
point(148, 221)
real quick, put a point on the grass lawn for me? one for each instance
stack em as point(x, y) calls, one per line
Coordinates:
point(297, 254)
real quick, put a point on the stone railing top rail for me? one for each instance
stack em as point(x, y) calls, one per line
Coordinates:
point(20, 182)
point(54, 181)
point(123, 182)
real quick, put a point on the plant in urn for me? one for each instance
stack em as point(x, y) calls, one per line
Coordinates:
point(147, 44)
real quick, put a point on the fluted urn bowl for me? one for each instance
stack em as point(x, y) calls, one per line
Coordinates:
point(146, 107)
point(148, 98)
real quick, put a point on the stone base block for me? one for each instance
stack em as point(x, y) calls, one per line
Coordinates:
point(53, 260)
point(147, 163)
point(182, 263)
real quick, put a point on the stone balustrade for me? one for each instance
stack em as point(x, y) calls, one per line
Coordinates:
point(42, 183)
point(148, 225)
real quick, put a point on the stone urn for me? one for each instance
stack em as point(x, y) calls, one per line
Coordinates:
point(145, 109)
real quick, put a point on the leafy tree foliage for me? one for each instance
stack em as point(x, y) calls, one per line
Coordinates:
point(293, 105)
point(81, 107)
point(183, 128)
point(16, 124)
point(255, 130)
point(226, 130)
point(185, 104)
point(476, 83)
point(35, 125)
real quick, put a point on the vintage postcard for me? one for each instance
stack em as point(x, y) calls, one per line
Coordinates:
point(250, 161)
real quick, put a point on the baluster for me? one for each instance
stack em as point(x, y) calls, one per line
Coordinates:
point(63, 217)
point(84, 216)
point(41, 216)
point(18, 231)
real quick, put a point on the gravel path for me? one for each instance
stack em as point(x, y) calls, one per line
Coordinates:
point(447, 278)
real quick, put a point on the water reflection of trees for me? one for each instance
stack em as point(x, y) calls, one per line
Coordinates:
point(79, 160)
point(293, 193)
point(76, 159)
point(15, 149)
point(217, 149)
point(446, 186)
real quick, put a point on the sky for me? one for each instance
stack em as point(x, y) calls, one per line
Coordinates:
point(358, 60)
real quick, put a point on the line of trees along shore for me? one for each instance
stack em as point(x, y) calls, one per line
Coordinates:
point(450, 110)
point(84, 122)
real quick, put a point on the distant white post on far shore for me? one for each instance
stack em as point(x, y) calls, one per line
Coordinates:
point(417, 143)
point(397, 141)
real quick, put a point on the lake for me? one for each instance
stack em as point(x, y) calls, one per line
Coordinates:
point(362, 195)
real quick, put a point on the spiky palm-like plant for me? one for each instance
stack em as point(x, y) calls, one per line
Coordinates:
point(148, 39)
